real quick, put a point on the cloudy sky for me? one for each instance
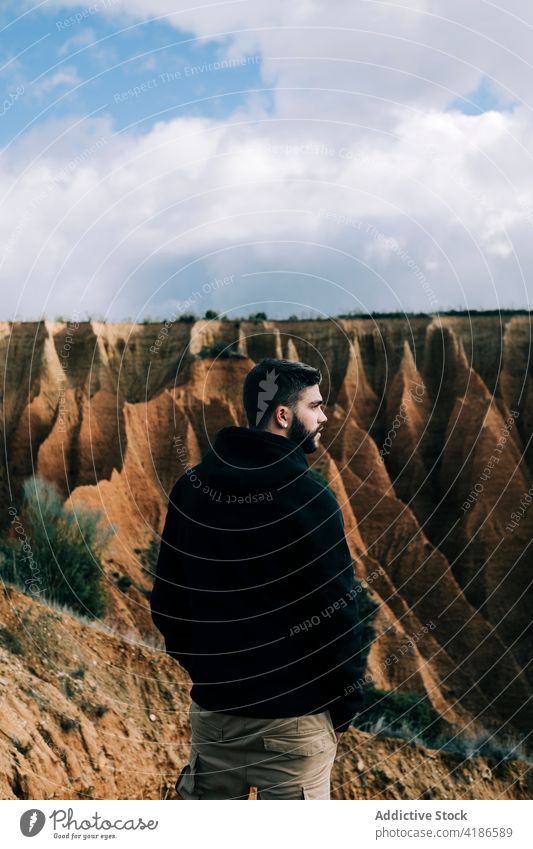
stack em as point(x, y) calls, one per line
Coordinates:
point(292, 157)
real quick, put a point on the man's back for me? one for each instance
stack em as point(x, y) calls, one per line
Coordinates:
point(252, 559)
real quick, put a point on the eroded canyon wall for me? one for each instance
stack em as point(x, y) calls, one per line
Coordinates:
point(427, 446)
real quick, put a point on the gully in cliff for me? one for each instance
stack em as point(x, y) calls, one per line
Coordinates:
point(235, 577)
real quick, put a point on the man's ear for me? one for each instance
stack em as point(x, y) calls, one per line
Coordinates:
point(287, 416)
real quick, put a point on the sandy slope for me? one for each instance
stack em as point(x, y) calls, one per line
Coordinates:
point(56, 741)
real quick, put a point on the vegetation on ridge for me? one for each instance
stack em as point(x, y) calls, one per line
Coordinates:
point(53, 553)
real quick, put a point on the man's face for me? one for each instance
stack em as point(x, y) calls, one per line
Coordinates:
point(308, 419)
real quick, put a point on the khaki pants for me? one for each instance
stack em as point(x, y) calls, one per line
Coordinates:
point(289, 758)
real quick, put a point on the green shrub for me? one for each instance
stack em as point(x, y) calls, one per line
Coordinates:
point(367, 610)
point(79, 672)
point(69, 688)
point(211, 314)
point(94, 710)
point(319, 477)
point(220, 351)
point(57, 558)
point(395, 714)
point(68, 724)
point(149, 555)
point(22, 748)
point(410, 716)
point(124, 583)
point(483, 743)
point(10, 641)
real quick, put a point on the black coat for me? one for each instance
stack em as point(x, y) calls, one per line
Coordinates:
point(255, 591)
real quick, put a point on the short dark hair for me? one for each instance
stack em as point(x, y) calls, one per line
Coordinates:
point(281, 383)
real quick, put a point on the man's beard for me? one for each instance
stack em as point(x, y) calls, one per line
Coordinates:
point(299, 434)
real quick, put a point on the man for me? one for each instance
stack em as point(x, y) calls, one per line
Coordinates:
point(256, 597)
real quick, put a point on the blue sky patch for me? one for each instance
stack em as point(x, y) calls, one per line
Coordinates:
point(139, 73)
point(483, 99)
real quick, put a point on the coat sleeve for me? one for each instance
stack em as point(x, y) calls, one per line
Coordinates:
point(331, 600)
point(169, 600)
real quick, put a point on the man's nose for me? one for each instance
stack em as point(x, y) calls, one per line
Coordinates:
point(324, 418)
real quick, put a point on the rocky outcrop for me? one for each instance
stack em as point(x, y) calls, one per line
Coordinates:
point(88, 714)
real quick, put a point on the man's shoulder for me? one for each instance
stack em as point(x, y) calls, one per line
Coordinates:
point(318, 502)
point(317, 486)
point(178, 486)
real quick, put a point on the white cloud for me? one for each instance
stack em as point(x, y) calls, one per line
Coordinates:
point(79, 39)
point(125, 210)
point(405, 51)
point(67, 76)
point(359, 175)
